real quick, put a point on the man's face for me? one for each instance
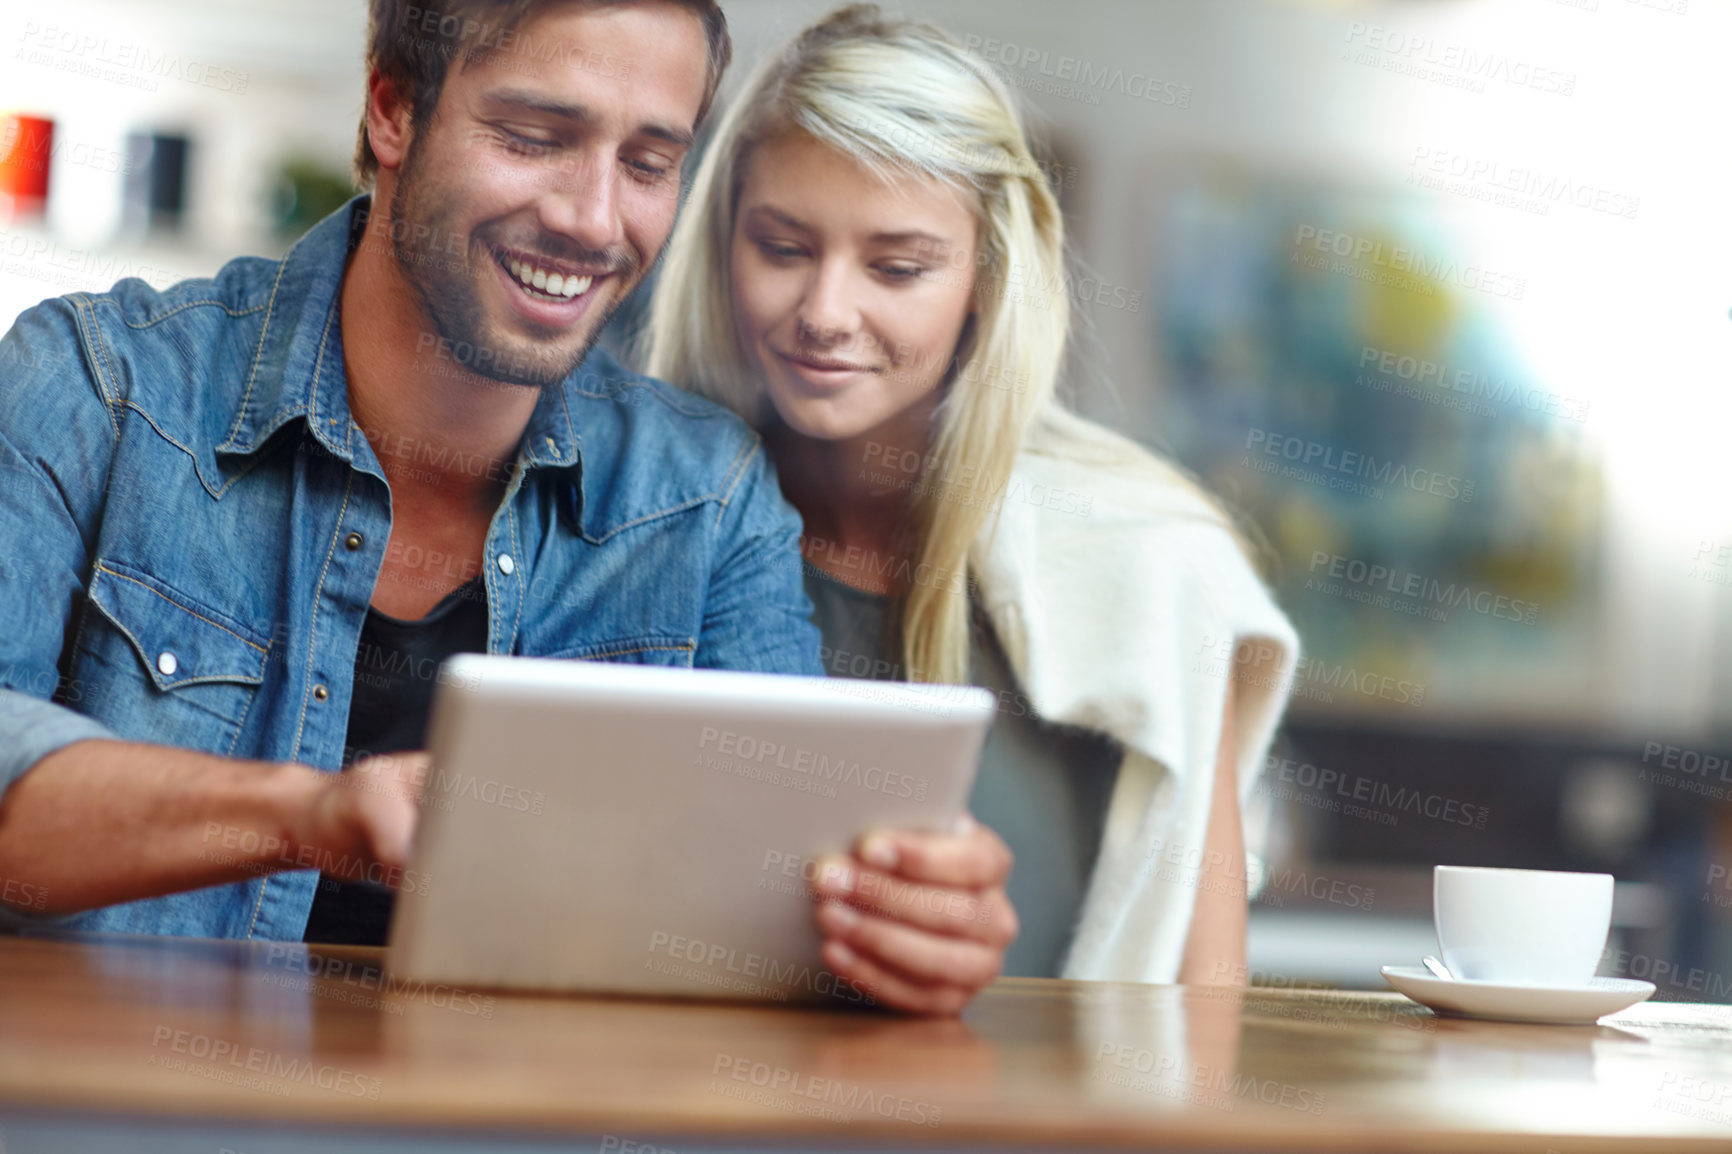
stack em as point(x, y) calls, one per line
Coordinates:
point(547, 181)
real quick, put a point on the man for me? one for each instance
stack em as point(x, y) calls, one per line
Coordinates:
point(252, 514)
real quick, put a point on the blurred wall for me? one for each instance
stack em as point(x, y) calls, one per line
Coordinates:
point(1631, 314)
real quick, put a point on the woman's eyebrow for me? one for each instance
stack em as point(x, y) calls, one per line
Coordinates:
point(779, 216)
point(901, 236)
point(911, 235)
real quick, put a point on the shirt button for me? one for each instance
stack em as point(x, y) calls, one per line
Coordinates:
point(353, 542)
point(320, 693)
point(506, 564)
point(166, 664)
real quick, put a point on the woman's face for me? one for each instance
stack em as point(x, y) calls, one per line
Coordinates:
point(850, 294)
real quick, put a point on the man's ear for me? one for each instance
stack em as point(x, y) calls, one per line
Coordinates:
point(390, 120)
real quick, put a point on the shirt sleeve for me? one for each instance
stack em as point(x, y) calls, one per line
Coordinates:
point(57, 436)
point(757, 616)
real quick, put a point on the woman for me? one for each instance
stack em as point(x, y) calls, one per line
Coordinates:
point(870, 270)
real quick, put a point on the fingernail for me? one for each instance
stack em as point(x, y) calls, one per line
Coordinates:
point(834, 876)
point(839, 916)
point(879, 851)
point(843, 956)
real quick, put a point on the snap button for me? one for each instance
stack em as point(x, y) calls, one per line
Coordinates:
point(353, 542)
point(320, 693)
point(166, 664)
point(506, 564)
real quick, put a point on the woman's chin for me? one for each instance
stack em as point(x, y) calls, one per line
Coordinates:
point(821, 422)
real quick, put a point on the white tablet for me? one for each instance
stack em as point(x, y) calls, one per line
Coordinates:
point(640, 830)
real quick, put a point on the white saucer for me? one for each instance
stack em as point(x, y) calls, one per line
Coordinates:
point(1556, 1005)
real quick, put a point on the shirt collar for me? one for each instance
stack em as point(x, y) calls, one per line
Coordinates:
point(297, 369)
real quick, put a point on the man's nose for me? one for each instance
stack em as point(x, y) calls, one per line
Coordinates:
point(583, 204)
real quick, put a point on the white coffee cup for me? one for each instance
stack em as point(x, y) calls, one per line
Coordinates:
point(1524, 927)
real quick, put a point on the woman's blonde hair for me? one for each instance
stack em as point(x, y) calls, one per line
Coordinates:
point(901, 97)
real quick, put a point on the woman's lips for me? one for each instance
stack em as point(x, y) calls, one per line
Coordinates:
point(823, 372)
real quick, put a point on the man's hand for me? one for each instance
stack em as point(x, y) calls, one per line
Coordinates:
point(919, 920)
point(366, 815)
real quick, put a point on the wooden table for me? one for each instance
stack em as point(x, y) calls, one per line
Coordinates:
point(145, 1044)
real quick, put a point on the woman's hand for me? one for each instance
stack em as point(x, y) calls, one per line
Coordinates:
point(920, 920)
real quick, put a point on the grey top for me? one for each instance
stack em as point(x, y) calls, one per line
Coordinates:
point(1043, 788)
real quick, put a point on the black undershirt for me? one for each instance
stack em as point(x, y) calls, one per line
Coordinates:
point(396, 667)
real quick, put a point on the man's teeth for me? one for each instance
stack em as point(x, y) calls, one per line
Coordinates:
point(552, 284)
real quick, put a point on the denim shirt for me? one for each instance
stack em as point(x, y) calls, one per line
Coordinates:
point(192, 523)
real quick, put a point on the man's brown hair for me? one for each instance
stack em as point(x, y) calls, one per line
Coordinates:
point(414, 45)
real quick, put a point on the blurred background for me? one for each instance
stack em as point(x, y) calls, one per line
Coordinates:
point(1435, 293)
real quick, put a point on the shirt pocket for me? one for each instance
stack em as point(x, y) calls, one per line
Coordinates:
point(675, 651)
point(163, 667)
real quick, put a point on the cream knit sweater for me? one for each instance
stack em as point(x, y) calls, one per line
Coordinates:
point(1122, 602)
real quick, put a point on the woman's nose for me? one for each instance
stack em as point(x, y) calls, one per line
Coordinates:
point(828, 313)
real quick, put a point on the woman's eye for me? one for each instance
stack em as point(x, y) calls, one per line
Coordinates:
point(776, 250)
point(901, 271)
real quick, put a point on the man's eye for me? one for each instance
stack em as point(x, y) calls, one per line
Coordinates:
point(647, 172)
point(526, 145)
